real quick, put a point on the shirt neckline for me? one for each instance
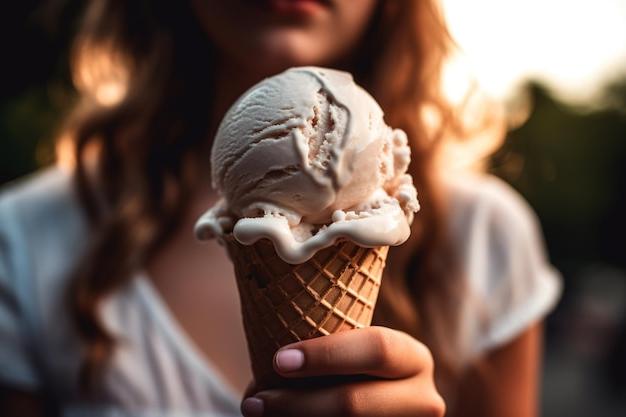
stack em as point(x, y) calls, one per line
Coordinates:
point(181, 340)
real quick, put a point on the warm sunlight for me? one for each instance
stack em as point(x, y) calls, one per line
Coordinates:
point(574, 46)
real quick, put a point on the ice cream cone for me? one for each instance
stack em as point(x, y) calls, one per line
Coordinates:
point(304, 160)
point(283, 303)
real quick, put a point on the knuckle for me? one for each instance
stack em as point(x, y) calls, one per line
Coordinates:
point(425, 355)
point(436, 406)
point(349, 403)
point(383, 344)
point(326, 355)
point(318, 352)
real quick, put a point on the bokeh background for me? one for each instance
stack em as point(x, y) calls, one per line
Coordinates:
point(560, 67)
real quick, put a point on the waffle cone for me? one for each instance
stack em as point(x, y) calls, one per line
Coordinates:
point(282, 303)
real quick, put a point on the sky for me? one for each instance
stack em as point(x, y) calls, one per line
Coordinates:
point(574, 46)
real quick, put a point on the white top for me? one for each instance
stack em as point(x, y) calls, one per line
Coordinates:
point(157, 371)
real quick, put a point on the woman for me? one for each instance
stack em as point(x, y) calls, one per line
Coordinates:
point(108, 306)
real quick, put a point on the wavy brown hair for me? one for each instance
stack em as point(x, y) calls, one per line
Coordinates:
point(151, 66)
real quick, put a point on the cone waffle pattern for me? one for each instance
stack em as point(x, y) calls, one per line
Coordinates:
point(282, 303)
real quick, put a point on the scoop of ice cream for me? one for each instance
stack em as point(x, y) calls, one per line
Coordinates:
point(305, 158)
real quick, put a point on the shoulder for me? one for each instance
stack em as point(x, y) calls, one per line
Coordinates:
point(477, 193)
point(42, 235)
point(34, 196)
point(492, 227)
point(42, 226)
point(40, 217)
point(40, 209)
point(486, 205)
point(502, 257)
point(41, 222)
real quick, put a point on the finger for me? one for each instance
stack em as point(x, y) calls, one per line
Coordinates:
point(373, 398)
point(375, 351)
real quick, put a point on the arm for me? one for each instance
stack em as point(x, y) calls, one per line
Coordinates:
point(18, 403)
point(505, 383)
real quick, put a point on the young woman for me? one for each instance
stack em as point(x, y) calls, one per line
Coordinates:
point(108, 305)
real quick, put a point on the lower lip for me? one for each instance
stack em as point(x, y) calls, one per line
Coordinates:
point(296, 7)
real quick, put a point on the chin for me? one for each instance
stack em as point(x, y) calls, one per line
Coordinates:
point(275, 52)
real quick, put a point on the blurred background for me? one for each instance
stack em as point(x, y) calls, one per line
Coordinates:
point(560, 68)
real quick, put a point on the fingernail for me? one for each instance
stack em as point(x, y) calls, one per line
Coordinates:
point(289, 360)
point(252, 407)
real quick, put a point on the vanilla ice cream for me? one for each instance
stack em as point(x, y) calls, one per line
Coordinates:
point(304, 158)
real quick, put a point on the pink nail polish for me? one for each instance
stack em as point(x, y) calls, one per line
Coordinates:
point(289, 360)
point(252, 407)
